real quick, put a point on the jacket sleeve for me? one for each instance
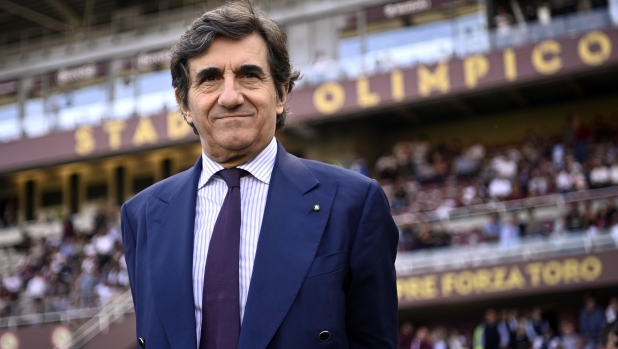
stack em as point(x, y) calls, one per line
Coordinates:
point(371, 291)
point(128, 241)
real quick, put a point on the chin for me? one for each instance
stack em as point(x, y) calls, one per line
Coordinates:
point(237, 143)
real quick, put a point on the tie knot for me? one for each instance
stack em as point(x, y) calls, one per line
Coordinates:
point(231, 176)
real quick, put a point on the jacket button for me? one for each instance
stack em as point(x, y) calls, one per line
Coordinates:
point(142, 342)
point(324, 336)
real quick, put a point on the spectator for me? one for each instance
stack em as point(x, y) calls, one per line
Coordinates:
point(520, 340)
point(103, 243)
point(505, 166)
point(400, 197)
point(613, 172)
point(438, 337)
point(406, 335)
point(322, 67)
point(537, 326)
point(609, 337)
point(359, 165)
point(546, 341)
point(509, 232)
point(36, 290)
point(500, 188)
point(574, 220)
point(403, 153)
point(104, 292)
point(512, 323)
point(493, 228)
point(611, 310)
point(564, 181)
point(557, 156)
point(386, 166)
point(456, 340)
point(591, 322)
point(537, 186)
point(100, 218)
point(421, 340)
point(569, 339)
point(494, 334)
point(599, 175)
point(503, 21)
point(532, 228)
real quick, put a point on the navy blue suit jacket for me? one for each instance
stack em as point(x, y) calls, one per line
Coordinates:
point(327, 270)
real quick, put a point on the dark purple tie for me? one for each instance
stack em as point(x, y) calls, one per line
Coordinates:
point(221, 297)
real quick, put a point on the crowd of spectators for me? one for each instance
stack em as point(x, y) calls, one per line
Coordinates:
point(582, 157)
point(422, 177)
point(515, 329)
point(73, 271)
point(514, 227)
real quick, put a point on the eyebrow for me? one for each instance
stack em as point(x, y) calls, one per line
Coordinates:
point(206, 72)
point(251, 68)
point(216, 71)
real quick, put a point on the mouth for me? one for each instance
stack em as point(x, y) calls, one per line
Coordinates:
point(232, 117)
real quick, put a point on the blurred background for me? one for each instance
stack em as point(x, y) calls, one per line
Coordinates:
point(492, 126)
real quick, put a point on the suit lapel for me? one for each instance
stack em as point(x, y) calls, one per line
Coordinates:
point(289, 237)
point(170, 226)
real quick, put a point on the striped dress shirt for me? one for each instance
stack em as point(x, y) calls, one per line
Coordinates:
point(211, 193)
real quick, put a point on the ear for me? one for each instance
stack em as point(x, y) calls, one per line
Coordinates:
point(183, 108)
point(281, 101)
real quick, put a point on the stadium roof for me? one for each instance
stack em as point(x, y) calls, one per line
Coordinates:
point(32, 19)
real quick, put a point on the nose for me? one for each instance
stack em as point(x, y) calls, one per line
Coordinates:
point(230, 97)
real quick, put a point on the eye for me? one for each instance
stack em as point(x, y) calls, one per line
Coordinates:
point(250, 76)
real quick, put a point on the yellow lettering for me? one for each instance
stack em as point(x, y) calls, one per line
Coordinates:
point(552, 273)
point(365, 97)
point(594, 38)
point(547, 65)
point(464, 283)
point(475, 68)
point(515, 279)
point(570, 270)
point(499, 276)
point(510, 64)
point(590, 268)
point(447, 284)
point(84, 141)
point(400, 288)
point(176, 126)
point(145, 133)
point(482, 280)
point(429, 289)
point(438, 79)
point(534, 270)
point(329, 97)
point(397, 87)
point(114, 130)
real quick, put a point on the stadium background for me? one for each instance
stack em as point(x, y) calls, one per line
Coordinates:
point(491, 125)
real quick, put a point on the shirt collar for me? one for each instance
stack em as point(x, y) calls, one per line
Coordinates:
point(260, 167)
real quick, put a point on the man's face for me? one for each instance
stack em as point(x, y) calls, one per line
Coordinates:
point(232, 99)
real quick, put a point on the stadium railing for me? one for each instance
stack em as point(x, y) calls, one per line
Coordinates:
point(114, 311)
point(561, 244)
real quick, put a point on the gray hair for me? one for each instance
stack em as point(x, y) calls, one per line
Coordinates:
point(234, 21)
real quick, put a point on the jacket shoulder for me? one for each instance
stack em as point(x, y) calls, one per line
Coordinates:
point(326, 173)
point(156, 189)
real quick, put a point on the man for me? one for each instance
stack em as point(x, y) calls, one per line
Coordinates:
point(254, 248)
point(591, 322)
point(609, 336)
point(492, 334)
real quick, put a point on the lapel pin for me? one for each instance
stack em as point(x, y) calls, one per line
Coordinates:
point(316, 208)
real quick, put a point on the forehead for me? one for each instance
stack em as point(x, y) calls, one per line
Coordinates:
point(226, 53)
